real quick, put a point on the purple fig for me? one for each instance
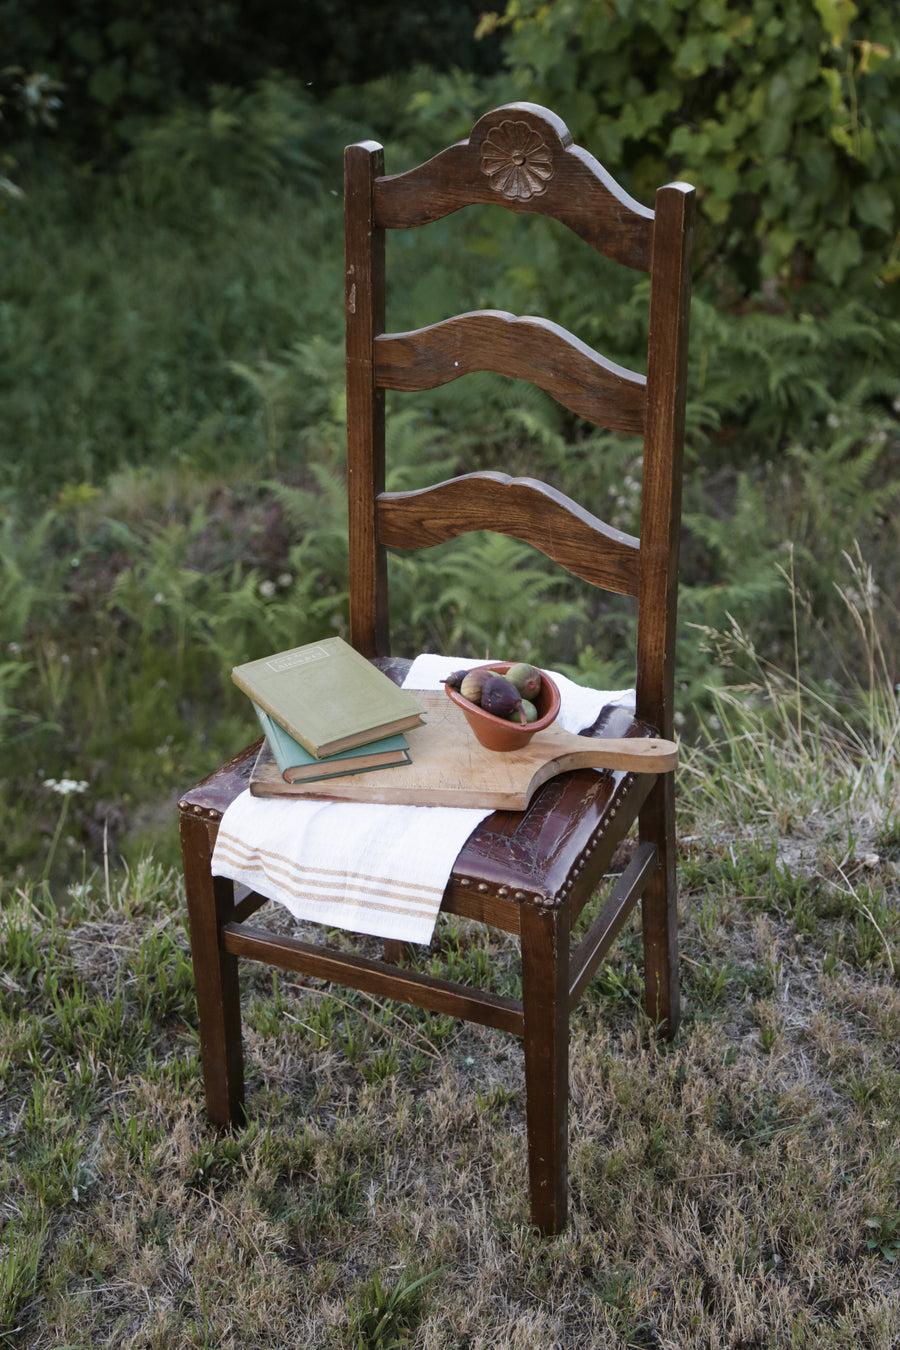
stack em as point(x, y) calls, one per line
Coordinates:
point(502, 699)
point(455, 679)
point(527, 679)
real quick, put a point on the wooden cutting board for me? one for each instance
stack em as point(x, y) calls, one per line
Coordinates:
point(450, 768)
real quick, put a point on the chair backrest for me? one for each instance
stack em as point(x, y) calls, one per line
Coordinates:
point(520, 156)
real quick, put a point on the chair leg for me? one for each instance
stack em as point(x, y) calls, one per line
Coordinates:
point(545, 1004)
point(394, 951)
point(210, 902)
point(659, 911)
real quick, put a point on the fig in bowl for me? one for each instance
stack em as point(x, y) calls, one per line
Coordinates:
point(512, 730)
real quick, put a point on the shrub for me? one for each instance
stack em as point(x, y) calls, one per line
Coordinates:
point(783, 115)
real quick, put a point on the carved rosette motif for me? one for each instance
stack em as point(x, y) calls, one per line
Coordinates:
point(517, 161)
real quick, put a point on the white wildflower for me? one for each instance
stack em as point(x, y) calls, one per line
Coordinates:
point(65, 786)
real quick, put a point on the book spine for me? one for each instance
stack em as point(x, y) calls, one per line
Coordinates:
point(263, 719)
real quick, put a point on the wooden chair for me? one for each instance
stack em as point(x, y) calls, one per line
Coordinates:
point(529, 873)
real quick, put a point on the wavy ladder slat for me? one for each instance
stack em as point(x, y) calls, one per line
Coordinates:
point(524, 507)
point(527, 348)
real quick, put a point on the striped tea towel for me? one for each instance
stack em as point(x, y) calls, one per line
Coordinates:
point(361, 866)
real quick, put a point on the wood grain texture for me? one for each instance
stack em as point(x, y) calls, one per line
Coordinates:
point(557, 851)
point(659, 910)
point(526, 348)
point(364, 298)
point(670, 286)
point(524, 507)
point(667, 348)
point(374, 977)
point(210, 903)
point(579, 192)
point(609, 922)
point(450, 768)
point(545, 1003)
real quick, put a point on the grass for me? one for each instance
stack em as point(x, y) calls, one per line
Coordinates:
point(737, 1188)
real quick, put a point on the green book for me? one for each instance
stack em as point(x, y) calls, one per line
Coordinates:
point(299, 766)
point(327, 696)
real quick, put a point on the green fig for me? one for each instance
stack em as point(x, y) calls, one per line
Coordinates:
point(527, 679)
point(502, 698)
point(473, 683)
point(530, 711)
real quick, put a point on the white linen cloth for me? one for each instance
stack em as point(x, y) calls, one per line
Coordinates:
point(367, 867)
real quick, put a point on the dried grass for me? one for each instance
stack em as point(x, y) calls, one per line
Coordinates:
point(720, 1185)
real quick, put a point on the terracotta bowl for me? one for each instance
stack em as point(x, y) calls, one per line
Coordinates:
point(496, 733)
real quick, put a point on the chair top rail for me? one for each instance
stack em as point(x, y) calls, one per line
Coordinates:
point(522, 156)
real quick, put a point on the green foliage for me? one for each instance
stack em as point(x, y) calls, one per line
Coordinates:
point(487, 594)
point(174, 499)
point(137, 651)
point(118, 66)
point(30, 590)
point(781, 375)
point(119, 63)
point(791, 436)
point(884, 1236)
point(29, 102)
point(249, 141)
point(340, 42)
point(740, 528)
point(787, 744)
point(387, 1316)
point(120, 341)
point(783, 116)
point(22, 1238)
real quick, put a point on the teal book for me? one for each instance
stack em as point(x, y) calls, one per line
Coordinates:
point(297, 765)
point(327, 696)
